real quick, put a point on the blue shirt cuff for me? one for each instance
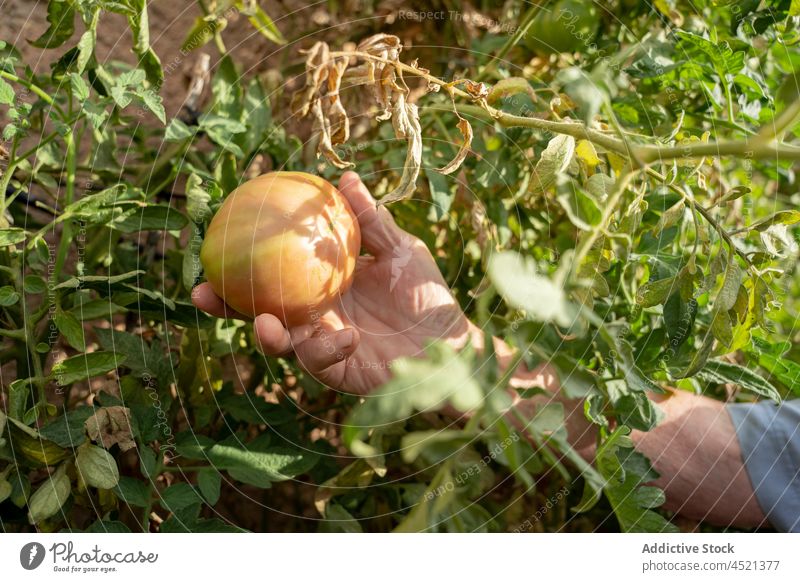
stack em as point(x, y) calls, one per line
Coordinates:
point(769, 437)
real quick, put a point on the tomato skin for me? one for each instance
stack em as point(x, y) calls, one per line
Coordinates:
point(284, 243)
point(569, 26)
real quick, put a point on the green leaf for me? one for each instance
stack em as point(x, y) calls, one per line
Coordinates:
point(626, 471)
point(201, 33)
point(637, 411)
point(48, 499)
point(132, 491)
point(261, 467)
point(148, 462)
point(554, 160)
point(8, 296)
point(153, 102)
point(178, 131)
point(722, 372)
point(11, 236)
point(61, 18)
point(179, 496)
point(99, 282)
point(787, 217)
point(254, 410)
point(197, 199)
point(221, 131)
point(423, 385)
point(86, 46)
point(338, 520)
point(68, 429)
point(151, 217)
point(258, 114)
point(5, 490)
point(261, 21)
point(71, 329)
point(516, 279)
point(107, 527)
point(85, 366)
point(34, 284)
point(726, 298)
point(655, 292)
point(209, 482)
point(97, 467)
point(7, 95)
point(581, 208)
point(80, 90)
point(140, 358)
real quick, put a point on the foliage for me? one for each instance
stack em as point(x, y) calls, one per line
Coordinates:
point(625, 212)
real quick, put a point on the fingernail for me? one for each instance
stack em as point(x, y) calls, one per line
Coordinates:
point(346, 338)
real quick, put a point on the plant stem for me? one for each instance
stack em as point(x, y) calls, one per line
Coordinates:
point(65, 239)
point(704, 213)
point(610, 208)
point(783, 122)
point(159, 468)
point(41, 93)
point(646, 153)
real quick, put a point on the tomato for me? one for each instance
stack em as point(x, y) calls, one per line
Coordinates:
point(284, 243)
point(566, 26)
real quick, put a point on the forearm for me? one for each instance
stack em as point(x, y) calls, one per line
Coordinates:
point(697, 454)
point(694, 449)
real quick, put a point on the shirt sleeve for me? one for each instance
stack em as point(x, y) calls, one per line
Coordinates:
point(769, 436)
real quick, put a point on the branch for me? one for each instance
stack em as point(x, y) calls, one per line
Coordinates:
point(646, 153)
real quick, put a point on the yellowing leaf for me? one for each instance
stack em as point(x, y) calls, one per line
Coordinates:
point(587, 154)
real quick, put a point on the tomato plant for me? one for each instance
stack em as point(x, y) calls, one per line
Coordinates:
point(623, 207)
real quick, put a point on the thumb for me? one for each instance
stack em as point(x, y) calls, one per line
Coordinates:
point(379, 233)
point(318, 354)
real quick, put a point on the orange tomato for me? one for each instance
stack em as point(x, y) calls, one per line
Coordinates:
point(284, 243)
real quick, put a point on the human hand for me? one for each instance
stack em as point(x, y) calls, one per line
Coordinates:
point(397, 302)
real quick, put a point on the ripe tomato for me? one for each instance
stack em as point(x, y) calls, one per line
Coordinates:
point(284, 243)
point(566, 26)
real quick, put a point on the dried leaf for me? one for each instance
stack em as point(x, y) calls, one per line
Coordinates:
point(476, 90)
point(386, 46)
point(363, 74)
point(322, 127)
point(109, 426)
point(335, 111)
point(409, 123)
point(466, 132)
point(481, 224)
point(317, 65)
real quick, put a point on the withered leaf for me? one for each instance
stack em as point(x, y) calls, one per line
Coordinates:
point(466, 132)
point(111, 425)
point(322, 127)
point(386, 46)
point(335, 111)
point(476, 90)
point(363, 74)
point(317, 65)
point(406, 123)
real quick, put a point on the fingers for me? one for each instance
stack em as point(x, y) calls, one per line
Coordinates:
point(273, 338)
point(204, 298)
point(317, 354)
point(379, 234)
